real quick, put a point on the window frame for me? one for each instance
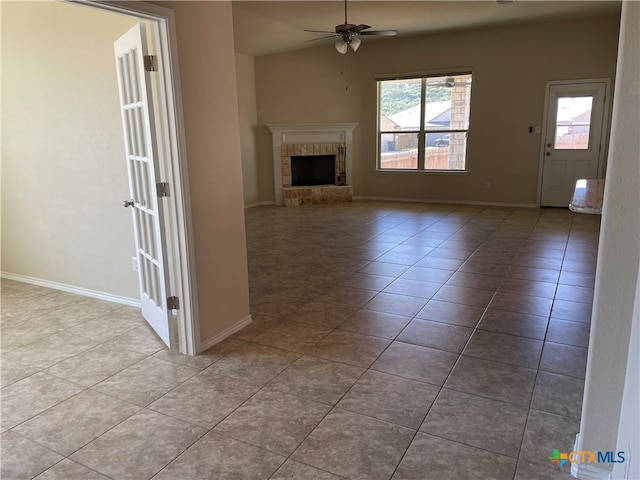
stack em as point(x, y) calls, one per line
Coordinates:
point(421, 132)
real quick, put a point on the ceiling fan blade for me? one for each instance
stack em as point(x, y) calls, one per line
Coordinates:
point(350, 32)
point(359, 28)
point(388, 33)
point(322, 38)
point(319, 31)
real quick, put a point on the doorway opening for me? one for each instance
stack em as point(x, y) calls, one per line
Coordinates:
point(574, 138)
point(181, 303)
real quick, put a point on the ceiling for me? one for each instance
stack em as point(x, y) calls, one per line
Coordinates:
point(265, 27)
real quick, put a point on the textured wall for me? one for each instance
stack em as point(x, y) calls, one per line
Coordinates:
point(210, 102)
point(618, 260)
point(64, 175)
point(247, 107)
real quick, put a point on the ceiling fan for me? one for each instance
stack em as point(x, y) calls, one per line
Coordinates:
point(350, 34)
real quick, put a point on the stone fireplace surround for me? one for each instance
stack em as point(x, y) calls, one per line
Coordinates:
point(310, 139)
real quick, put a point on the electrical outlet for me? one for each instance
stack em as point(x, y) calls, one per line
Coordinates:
point(135, 264)
point(383, 181)
point(487, 184)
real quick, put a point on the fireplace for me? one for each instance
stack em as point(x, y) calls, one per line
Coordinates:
point(303, 143)
point(313, 170)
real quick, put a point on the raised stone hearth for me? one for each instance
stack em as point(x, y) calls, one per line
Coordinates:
point(294, 196)
point(311, 140)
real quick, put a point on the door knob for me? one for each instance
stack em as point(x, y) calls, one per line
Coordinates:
point(548, 154)
point(128, 203)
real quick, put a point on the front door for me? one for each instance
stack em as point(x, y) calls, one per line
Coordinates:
point(573, 143)
point(142, 165)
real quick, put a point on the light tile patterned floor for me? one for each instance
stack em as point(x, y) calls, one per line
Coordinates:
point(389, 340)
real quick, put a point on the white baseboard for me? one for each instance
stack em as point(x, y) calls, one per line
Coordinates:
point(72, 289)
point(584, 471)
point(259, 204)
point(211, 341)
point(452, 202)
point(421, 200)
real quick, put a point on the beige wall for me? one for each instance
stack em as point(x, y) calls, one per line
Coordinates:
point(511, 66)
point(210, 102)
point(248, 113)
point(617, 271)
point(64, 176)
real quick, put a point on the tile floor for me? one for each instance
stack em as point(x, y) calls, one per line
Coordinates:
point(389, 340)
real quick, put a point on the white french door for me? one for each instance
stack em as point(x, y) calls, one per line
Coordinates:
point(574, 137)
point(142, 164)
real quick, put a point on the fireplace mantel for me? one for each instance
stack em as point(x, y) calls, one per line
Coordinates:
point(309, 133)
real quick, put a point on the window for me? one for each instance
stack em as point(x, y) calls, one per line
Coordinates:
point(423, 123)
point(573, 123)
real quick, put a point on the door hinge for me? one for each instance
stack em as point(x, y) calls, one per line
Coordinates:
point(151, 63)
point(173, 303)
point(162, 189)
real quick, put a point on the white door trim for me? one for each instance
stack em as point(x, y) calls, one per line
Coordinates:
point(179, 231)
point(604, 132)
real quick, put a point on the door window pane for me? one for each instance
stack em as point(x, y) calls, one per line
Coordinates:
point(399, 150)
point(573, 121)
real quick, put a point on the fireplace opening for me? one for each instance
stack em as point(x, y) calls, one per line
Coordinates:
point(313, 170)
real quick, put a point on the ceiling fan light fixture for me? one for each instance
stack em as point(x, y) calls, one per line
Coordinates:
point(355, 43)
point(349, 33)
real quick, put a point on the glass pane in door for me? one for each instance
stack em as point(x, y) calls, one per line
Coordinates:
point(573, 122)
